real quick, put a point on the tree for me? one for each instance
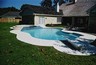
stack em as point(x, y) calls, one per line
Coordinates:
point(46, 3)
point(55, 2)
point(24, 6)
point(61, 2)
point(5, 10)
point(58, 1)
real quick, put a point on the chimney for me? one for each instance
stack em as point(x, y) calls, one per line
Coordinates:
point(57, 7)
point(75, 0)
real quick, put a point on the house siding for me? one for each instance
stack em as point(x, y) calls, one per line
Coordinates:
point(10, 17)
point(36, 20)
point(92, 22)
point(47, 20)
point(10, 20)
point(28, 19)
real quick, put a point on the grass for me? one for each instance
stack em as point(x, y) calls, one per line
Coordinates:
point(15, 52)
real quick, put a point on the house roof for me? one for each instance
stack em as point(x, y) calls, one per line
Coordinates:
point(93, 9)
point(11, 14)
point(80, 8)
point(30, 9)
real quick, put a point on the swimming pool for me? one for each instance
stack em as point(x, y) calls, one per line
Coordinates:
point(49, 33)
point(55, 37)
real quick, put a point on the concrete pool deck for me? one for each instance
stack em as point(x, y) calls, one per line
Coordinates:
point(26, 37)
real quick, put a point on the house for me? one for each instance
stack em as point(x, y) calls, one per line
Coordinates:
point(10, 17)
point(76, 14)
point(39, 15)
point(92, 19)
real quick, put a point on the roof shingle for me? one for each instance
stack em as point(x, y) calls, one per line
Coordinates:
point(78, 9)
point(29, 9)
point(11, 14)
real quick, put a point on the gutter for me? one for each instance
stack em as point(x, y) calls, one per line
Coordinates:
point(53, 15)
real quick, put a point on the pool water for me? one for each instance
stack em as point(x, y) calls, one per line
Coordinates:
point(49, 33)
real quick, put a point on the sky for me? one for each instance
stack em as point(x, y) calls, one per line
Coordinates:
point(18, 3)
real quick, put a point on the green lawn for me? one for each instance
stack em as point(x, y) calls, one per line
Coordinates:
point(14, 52)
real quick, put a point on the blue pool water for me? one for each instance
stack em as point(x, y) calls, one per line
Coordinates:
point(49, 33)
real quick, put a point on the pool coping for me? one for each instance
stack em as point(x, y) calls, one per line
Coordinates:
point(27, 38)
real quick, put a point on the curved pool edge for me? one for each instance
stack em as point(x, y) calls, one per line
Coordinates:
point(27, 38)
point(84, 35)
